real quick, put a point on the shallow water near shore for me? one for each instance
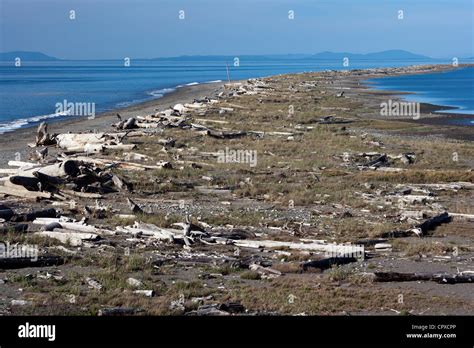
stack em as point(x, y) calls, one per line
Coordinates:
point(29, 94)
point(452, 88)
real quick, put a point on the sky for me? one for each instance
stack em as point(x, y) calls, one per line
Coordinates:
point(109, 29)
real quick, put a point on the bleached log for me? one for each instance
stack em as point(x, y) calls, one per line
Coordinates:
point(413, 199)
point(43, 137)
point(165, 234)
point(8, 171)
point(81, 194)
point(123, 164)
point(195, 106)
point(261, 133)
point(125, 147)
point(454, 186)
point(180, 108)
point(134, 156)
point(72, 140)
point(68, 225)
point(73, 238)
point(59, 170)
point(20, 191)
point(23, 165)
point(322, 247)
point(211, 121)
point(390, 169)
point(466, 216)
point(139, 166)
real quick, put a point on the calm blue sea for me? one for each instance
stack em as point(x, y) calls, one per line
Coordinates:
point(28, 94)
point(454, 88)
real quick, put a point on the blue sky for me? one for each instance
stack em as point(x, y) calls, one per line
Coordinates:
point(151, 28)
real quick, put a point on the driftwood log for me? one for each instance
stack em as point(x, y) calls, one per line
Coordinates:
point(20, 262)
point(420, 229)
point(328, 263)
point(441, 278)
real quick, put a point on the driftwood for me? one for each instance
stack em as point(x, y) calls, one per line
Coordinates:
point(41, 261)
point(130, 123)
point(328, 263)
point(432, 223)
point(57, 170)
point(6, 213)
point(420, 229)
point(81, 194)
point(441, 278)
point(120, 183)
point(17, 228)
point(225, 135)
point(377, 162)
point(117, 311)
point(164, 234)
point(67, 224)
point(20, 191)
point(134, 207)
point(23, 165)
point(342, 250)
point(460, 215)
point(44, 213)
point(30, 183)
point(73, 238)
point(43, 138)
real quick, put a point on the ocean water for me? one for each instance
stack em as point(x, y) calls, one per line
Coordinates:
point(29, 94)
point(453, 88)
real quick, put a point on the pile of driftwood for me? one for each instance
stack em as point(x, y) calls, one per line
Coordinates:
point(60, 180)
point(377, 160)
point(79, 142)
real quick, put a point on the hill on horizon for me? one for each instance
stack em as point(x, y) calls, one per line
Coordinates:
point(327, 55)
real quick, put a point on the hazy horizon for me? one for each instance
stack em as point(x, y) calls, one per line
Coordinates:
point(147, 29)
point(281, 55)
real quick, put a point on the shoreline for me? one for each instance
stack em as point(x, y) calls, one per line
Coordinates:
point(431, 106)
point(15, 142)
point(175, 91)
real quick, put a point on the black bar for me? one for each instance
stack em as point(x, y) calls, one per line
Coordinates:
point(238, 330)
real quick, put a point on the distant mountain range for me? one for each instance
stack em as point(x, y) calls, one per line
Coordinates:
point(26, 56)
point(385, 55)
point(392, 55)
